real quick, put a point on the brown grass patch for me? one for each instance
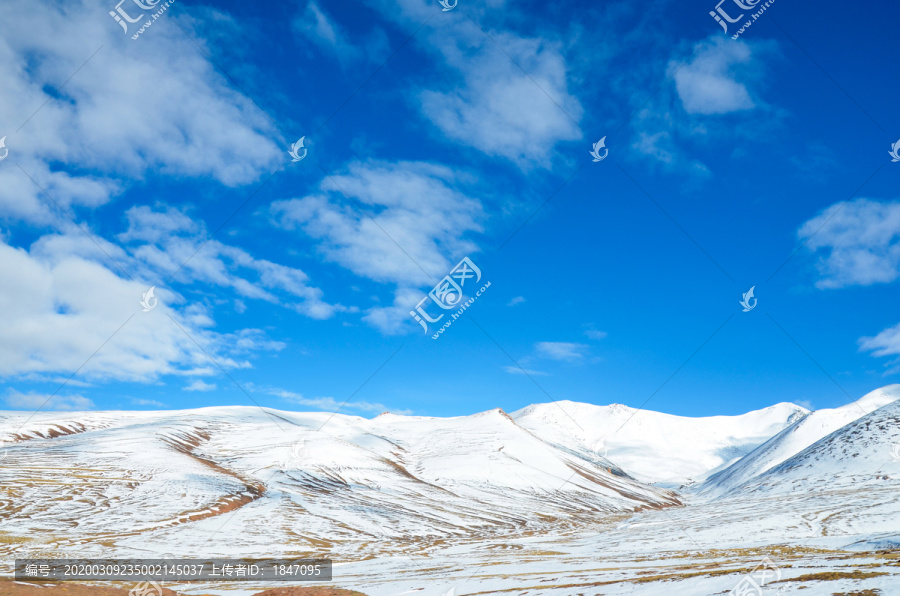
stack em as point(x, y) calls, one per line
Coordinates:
point(830, 576)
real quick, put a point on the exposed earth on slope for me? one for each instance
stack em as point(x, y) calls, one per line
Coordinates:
point(543, 502)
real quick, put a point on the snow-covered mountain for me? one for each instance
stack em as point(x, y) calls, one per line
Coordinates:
point(651, 446)
point(854, 457)
point(519, 503)
point(795, 439)
point(111, 474)
point(391, 474)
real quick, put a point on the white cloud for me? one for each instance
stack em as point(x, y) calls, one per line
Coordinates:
point(148, 402)
point(720, 77)
point(395, 318)
point(515, 370)
point(859, 240)
point(560, 350)
point(199, 385)
point(886, 343)
point(156, 106)
point(416, 206)
point(321, 28)
point(548, 350)
point(662, 147)
point(164, 240)
point(516, 300)
point(595, 334)
point(420, 214)
point(658, 145)
point(710, 83)
point(36, 401)
point(330, 404)
point(315, 24)
point(65, 313)
point(493, 105)
point(158, 242)
point(500, 110)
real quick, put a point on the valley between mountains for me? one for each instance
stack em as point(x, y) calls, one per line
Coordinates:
point(560, 498)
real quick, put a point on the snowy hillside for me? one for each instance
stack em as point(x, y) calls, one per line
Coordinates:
point(172, 473)
point(857, 457)
point(651, 446)
point(795, 439)
point(488, 503)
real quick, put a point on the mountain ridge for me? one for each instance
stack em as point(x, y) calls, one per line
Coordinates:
point(795, 439)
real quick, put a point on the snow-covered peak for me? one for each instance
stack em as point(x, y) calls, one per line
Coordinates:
point(796, 438)
point(652, 446)
point(874, 399)
point(862, 452)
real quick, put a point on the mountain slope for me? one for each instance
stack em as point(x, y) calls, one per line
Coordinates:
point(474, 504)
point(142, 478)
point(848, 458)
point(847, 481)
point(651, 446)
point(794, 440)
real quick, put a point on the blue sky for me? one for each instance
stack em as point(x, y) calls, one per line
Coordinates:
point(433, 135)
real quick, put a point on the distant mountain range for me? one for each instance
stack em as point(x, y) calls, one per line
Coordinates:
point(241, 481)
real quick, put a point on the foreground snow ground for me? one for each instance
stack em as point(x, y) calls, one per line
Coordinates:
point(556, 499)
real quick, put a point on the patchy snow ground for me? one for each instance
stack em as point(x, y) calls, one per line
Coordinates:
point(488, 503)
